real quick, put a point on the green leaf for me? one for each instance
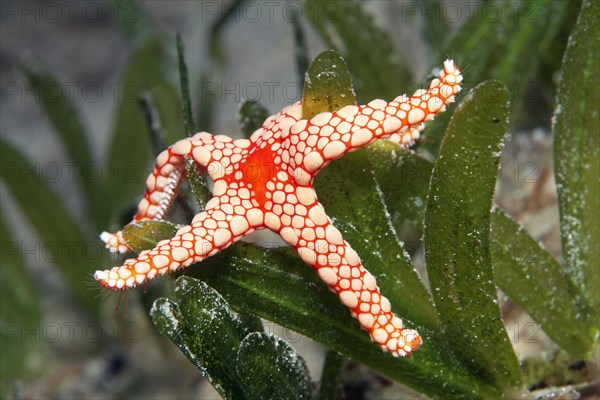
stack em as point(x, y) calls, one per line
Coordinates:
point(197, 182)
point(576, 160)
point(327, 86)
point(206, 331)
point(148, 70)
point(169, 320)
point(271, 369)
point(143, 235)
point(59, 108)
point(330, 377)
point(534, 280)
point(277, 285)
point(186, 103)
point(457, 224)
point(61, 237)
point(367, 48)
point(251, 115)
point(217, 328)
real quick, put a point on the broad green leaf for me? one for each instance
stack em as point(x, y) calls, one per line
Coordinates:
point(61, 238)
point(143, 235)
point(457, 225)
point(251, 115)
point(271, 369)
point(534, 280)
point(576, 159)
point(367, 48)
point(149, 70)
point(330, 377)
point(169, 320)
point(327, 86)
point(514, 42)
point(277, 285)
point(60, 110)
point(186, 103)
point(219, 331)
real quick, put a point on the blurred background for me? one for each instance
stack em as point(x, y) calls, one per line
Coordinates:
point(72, 74)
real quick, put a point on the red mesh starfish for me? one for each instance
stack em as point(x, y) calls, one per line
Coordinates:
point(266, 182)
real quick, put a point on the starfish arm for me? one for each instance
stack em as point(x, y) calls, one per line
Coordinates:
point(321, 245)
point(328, 136)
point(408, 137)
point(161, 189)
point(211, 231)
point(276, 122)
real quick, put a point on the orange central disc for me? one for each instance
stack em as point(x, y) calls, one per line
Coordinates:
point(258, 169)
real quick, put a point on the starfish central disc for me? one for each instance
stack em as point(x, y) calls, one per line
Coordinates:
point(256, 171)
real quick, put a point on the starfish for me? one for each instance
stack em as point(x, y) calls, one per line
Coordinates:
point(266, 182)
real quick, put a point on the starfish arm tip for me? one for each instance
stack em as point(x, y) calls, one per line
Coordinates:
point(114, 242)
point(100, 275)
point(105, 236)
